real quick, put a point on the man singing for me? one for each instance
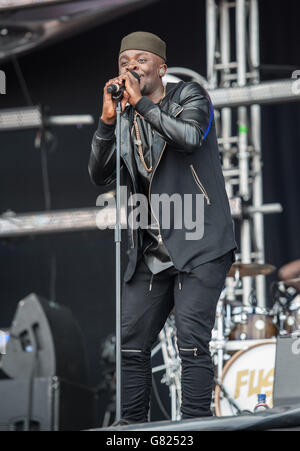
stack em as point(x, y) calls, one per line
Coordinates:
point(168, 146)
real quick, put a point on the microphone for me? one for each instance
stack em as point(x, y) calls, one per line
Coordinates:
point(116, 90)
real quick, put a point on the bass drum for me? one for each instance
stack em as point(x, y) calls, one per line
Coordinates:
point(247, 374)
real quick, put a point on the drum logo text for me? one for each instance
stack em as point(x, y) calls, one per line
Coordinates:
point(256, 381)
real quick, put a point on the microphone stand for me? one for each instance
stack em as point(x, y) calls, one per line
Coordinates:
point(118, 97)
point(118, 263)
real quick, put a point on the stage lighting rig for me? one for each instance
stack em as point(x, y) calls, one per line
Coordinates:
point(11, 4)
point(29, 24)
point(33, 118)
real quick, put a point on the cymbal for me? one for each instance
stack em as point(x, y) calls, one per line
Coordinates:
point(250, 269)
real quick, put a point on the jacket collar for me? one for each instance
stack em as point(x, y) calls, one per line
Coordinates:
point(166, 104)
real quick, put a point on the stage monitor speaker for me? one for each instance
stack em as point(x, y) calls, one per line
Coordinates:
point(287, 371)
point(45, 341)
point(57, 405)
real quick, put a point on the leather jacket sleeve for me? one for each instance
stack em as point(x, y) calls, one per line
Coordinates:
point(102, 163)
point(187, 132)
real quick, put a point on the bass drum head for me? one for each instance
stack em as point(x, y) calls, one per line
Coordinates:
point(248, 373)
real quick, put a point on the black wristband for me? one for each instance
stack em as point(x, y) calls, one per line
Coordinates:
point(144, 105)
point(106, 131)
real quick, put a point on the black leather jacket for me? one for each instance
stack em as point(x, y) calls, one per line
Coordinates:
point(188, 163)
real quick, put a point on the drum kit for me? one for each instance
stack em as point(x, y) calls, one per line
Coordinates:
point(243, 344)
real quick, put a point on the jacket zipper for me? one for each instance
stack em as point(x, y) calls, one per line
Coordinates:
point(133, 181)
point(149, 195)
point(194, 350)
point(196, 178)
point(160, 240)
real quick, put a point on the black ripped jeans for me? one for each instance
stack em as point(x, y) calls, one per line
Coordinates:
point(144, 312)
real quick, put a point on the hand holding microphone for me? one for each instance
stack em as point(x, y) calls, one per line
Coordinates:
point(117, 90)
point(125, 88)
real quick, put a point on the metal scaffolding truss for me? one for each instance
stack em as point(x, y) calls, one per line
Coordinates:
point(233, 59)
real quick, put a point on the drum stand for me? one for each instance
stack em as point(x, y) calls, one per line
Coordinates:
point(172, 365)
point(226, 395)
point(219, 343)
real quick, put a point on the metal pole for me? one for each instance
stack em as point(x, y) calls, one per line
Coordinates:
point(211, 22)
point(226, 113)
point(258, 218)
point(220, 337)
point(118, 265)
point(243, 140)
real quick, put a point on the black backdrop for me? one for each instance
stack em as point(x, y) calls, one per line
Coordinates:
point(77, 269)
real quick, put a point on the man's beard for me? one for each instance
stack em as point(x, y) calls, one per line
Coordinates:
point(148, 88)
point(144, 90)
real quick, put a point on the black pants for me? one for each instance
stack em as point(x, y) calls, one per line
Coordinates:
point(147, 301)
